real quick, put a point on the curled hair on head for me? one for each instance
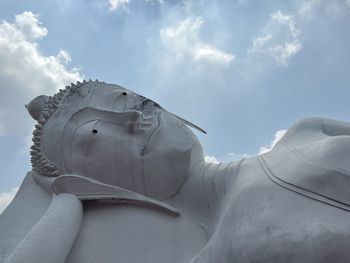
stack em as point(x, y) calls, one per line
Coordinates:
point(40, 163)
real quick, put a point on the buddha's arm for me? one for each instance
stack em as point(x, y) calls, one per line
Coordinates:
point(52, 237)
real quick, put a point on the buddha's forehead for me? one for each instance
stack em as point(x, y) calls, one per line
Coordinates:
point(107, 97)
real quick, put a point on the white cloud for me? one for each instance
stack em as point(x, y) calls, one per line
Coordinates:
point(211, 159)
point(336, 8)
point(232, 156)
point(283, 53)
point(63, 57)
point(278, 136)
point(280, 39)
point(25, 72)
point(307, 7)
point(183, 41)
point(260, 42)
point(155, 1)
point(28, 24)
point(6, 198)
point(114, 5)
point(207, 52)
point(333, 8)
point(237, 156)
point(287, 20)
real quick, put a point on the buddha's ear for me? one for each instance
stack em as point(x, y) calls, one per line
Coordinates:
point(36, 105)
point(130, 120)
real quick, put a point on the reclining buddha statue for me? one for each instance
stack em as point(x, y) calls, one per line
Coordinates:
point(117, 178)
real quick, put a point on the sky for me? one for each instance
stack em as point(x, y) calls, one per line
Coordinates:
point(243, 70)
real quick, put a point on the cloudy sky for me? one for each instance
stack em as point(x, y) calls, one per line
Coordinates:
point(244, 70)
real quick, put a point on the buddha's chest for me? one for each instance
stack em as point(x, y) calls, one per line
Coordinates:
point(120, 233)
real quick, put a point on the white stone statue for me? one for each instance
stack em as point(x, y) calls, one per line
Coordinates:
point(117, 178)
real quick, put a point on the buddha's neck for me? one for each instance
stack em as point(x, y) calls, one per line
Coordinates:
point(204, 192)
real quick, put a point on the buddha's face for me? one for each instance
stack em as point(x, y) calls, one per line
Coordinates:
point(113, 135)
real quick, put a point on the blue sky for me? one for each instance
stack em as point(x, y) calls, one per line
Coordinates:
point(243, 70)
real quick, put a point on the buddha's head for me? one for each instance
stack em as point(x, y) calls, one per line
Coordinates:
point(110, 134)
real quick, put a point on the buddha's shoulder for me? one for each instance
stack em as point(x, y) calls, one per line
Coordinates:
point(320, 140)
point(313, 158)
point(308, 130)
